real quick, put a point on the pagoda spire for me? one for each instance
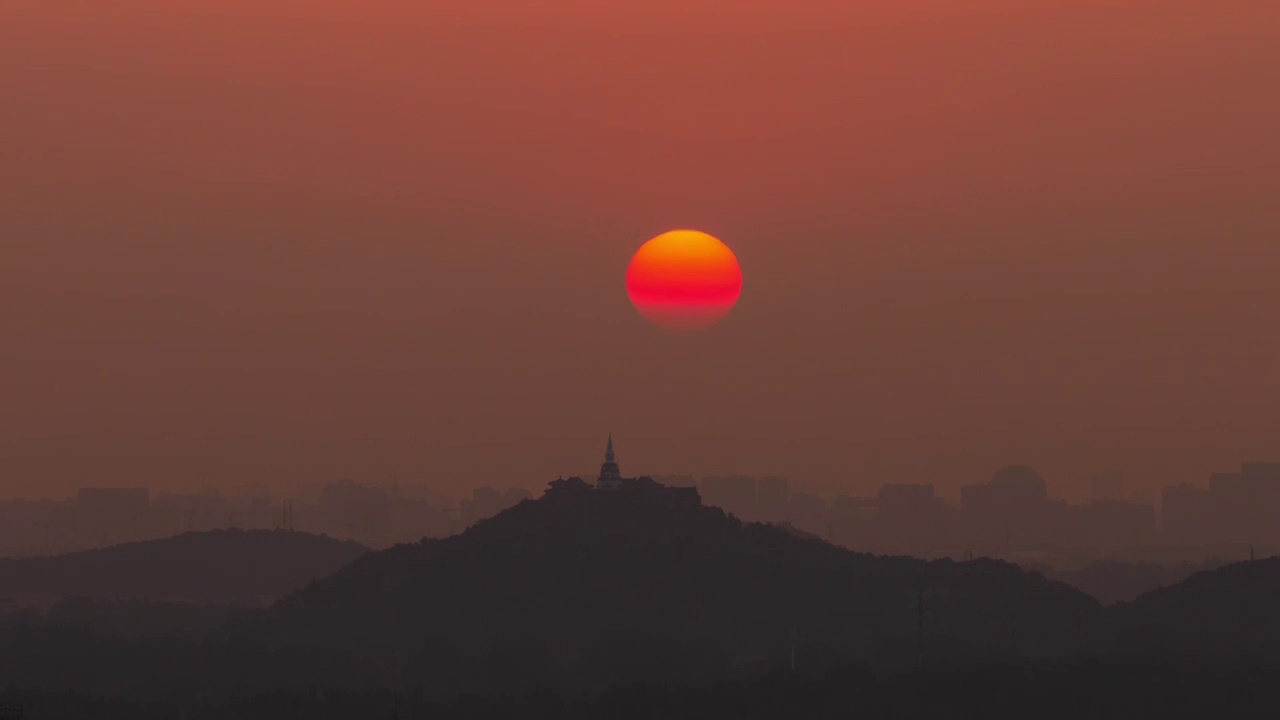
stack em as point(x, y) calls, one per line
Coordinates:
point(610, 476)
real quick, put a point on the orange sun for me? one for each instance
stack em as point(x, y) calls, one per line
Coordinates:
point(684, 280)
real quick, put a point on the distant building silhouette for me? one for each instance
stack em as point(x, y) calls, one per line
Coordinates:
point(1239, 508)
point(1010, 516)
point(855, 523)
point(904, 500)
point(1104, 524)
point(912, 519)
point(1010, 512)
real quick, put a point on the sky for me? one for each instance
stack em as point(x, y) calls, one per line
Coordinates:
point(281, 242)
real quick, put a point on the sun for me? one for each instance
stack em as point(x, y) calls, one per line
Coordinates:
point(684, 280)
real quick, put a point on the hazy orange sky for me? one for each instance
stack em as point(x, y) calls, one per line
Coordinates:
point(276, 241)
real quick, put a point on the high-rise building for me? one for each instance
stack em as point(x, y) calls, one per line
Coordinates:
point(1010, 512)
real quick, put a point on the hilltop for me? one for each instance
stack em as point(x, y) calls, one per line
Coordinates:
point(589, 588)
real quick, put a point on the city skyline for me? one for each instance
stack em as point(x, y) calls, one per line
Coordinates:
point(1140, 481)
point(1079, 486)
point(1013, 514)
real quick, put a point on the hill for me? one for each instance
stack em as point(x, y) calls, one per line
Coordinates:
point(210, 566)
point(1229, 612)
point(584, 590)
point(1112, 581)
point(590, 588)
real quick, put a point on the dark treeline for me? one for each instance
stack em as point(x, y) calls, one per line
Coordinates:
point(1092, 689)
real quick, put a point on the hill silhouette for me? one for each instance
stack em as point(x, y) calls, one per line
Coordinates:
point(196, 567)
point(590, 588)
point(1226, 613)
point(582, 590)
point(1113, 581)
